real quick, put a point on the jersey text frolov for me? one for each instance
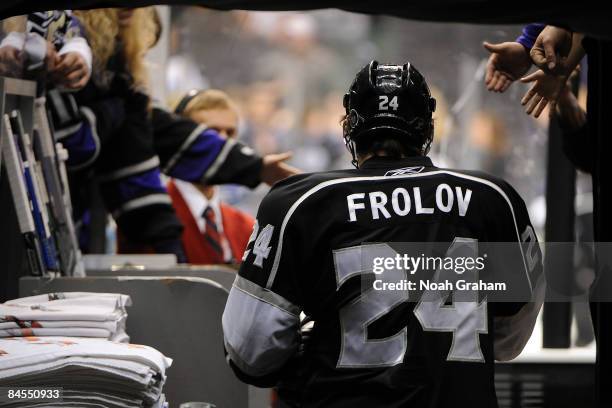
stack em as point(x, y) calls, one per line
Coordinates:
point(403, 201)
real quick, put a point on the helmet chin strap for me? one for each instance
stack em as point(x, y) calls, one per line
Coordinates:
point(352, 150)
point(350, 146)
point(425, 150)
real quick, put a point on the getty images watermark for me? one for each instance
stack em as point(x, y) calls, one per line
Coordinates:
point(465, 269)
point(442, 265)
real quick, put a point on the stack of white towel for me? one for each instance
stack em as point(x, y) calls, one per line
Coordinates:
point(70, 314)
point(77, 341)
point(91, 372)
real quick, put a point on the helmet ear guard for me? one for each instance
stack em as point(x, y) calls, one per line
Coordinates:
point(432, 104)
point(345, 100)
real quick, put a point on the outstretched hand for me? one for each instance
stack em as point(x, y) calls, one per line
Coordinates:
point(507, 63)
point(545, 90)
point(275, 169)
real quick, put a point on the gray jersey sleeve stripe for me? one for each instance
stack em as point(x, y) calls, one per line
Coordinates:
point(148, 164)
point(212, 170)
point(144, 201)
point(186, 144)
point(266, 295)
point(67, 131)
point(318, 187)
point(259, 337)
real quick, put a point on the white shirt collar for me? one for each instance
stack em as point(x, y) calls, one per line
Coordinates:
point(197, 203)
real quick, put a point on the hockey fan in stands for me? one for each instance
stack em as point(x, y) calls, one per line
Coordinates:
point(373, 348)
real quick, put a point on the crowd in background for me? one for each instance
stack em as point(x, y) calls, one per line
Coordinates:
point(282, 77)
point(288, 72)
point(285, 74)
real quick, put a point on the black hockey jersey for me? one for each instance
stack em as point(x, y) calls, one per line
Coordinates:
point(369, 348)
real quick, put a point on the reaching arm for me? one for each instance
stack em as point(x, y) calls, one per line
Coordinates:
point(529, 35)
point(191, 152)
point(510, 60)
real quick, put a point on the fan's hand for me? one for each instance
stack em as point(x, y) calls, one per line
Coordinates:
point(275, 169)
point(507, 63)
point(545, 90)
point(551, 48)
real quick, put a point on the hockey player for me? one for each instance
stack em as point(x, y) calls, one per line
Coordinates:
point(377, 348)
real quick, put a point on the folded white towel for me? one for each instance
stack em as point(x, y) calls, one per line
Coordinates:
point(91, 371)
point(72, 314)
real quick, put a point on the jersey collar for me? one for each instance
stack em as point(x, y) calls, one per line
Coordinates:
point(379, 162)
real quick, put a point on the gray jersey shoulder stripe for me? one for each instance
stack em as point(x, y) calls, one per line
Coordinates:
point(188, 142)
point(148, 164)
point(67, 131)
point(328, 183)
point(266, 295)
point(212, 170)
point(144, 201)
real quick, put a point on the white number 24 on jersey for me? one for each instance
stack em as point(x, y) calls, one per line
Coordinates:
point(465, 319)
point(261, 248)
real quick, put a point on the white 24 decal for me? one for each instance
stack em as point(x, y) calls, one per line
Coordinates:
point(384, 103)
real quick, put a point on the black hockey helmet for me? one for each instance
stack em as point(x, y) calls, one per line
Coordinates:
point(392, 99)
